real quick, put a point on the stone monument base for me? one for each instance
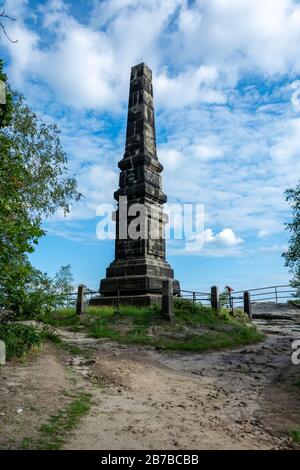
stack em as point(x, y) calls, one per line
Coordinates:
point(142, 300)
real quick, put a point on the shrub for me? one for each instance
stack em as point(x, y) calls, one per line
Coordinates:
point(19, 339)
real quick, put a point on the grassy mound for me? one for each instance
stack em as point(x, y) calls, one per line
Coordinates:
point(196, 327)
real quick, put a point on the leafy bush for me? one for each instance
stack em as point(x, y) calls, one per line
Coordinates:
point(38, 295)
point(187, 306)
point(19, 339)
point(188, 312)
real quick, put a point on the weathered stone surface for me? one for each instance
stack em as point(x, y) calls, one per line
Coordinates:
point(80, 302)
point(167, 299)
point(2, 353)
point(215, 299)
point(140, 264)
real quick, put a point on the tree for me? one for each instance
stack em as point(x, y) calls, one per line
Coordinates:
point(40, 295)
point(6, 102)
point(292, 255)
point(34, 183)
point(296, 282)
point(64, 282)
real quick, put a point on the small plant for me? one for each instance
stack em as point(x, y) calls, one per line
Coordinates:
point(295, 435)
point(19, 339)
point(54, 432)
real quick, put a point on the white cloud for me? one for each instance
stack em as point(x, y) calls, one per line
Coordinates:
point(295, 99)
point(273, 248)
point(231, 146)
point(197, 50)
point(241, 34)
point(171, 158)
point(288, 145)
point(263, 234)
point(203, 151)
point(226, 237)
point(195, 85)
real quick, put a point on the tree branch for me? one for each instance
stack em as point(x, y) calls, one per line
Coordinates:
point(3, 15)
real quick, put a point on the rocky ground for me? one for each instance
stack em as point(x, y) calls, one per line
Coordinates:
point(150, 399)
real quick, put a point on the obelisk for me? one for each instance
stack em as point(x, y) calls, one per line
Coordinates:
point(136, 274)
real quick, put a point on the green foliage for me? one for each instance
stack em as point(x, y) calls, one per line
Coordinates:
point(34, 183)
point(194, 313)
point(76, 350)
point(54, 432)
point(295, 435)
point(38, 296)
point(64, 282)
point(45, 183)
point(292, 255)
point(60, 318)
point(19, 339)
point(48, 335)
point(6, 108)
point(224, 298)
point(296, 281)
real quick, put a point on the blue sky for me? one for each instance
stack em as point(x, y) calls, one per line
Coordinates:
point(227, 101)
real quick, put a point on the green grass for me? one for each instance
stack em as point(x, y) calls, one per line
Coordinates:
point(54, 432)
point(295, 435)
point(196, 327)
point(76, 350)
point(61, 318)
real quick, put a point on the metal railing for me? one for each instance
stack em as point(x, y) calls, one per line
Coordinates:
point(278, 294)
point(196, 296)
point(242, 299)
point(72, 297)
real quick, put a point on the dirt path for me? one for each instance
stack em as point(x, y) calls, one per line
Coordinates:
point(148, 399)
point(225, 400)
point(241, 399)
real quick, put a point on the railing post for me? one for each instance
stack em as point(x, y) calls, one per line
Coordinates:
point(80, 303)
point(232, 304)
point(194, 297)
point(247, 304)
point(214, 298)
point(167, 299)
point(276, 294)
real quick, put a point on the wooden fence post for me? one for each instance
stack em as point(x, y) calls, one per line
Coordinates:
point(80, 303)
point(167, 299)
point(214, 298)
point(247, 304)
